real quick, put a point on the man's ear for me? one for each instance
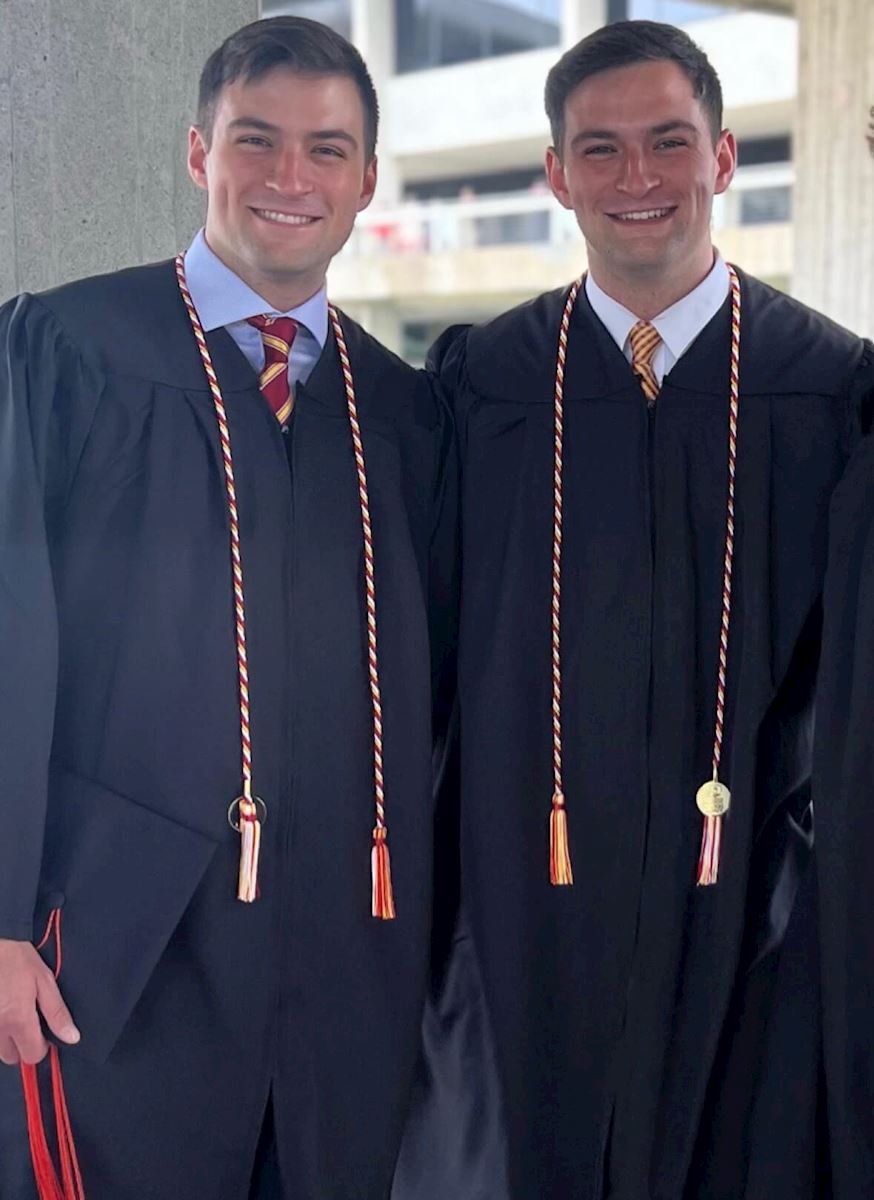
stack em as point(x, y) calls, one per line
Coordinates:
point(556, 178)
point(726, 160)
point(197, 152)
point(368, 186)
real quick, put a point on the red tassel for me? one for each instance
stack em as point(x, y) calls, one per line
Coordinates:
point(383, 902)
point(48, 1185)
point(708, 860)
point(70, 1173)
point(560, 870)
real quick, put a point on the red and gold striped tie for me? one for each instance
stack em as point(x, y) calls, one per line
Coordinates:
point(645, 340)
point(277, 334)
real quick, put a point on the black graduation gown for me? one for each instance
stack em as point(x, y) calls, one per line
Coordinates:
point(620, 1007)
point(843, 774)
point(120, 744)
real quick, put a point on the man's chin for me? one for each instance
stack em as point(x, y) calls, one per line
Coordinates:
point(643, 266)
point(278, 268)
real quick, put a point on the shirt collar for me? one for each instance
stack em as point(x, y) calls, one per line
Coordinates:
point(678, 325)
point(222, 298)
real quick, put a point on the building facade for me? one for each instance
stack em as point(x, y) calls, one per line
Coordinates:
point(463, 225)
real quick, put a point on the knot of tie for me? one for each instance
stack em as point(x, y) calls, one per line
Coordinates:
point(277, 335)
point(645, 340)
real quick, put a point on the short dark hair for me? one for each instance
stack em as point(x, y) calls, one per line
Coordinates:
point(296, 43)
point(621, 45)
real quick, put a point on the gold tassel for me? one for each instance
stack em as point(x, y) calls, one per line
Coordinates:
point(383, 901)
point(560, 869)
point(250, 849)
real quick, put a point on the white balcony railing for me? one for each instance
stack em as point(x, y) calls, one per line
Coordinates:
point(448, 226)
point(758, 195)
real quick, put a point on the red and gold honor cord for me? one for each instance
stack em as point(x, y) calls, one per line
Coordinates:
point(713, 797)
point(247, 812)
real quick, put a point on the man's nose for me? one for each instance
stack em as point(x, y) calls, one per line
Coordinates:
point(289, 172)
point(639, 175)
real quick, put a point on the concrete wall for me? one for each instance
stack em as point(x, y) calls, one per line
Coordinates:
point(95, 100)
point(834, 194)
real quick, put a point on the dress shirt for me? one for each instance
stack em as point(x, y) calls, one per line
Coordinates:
point(223, 299)
point(678, 326)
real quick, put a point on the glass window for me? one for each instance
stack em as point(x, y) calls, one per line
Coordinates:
point(757, 151)
point(672, 12)
point(433, 33)
point(764, 206)
point(335, 13)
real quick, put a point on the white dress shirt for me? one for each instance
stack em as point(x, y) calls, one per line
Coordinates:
point(678, 326)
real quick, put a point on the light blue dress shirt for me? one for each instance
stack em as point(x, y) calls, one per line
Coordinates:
point(223, 299)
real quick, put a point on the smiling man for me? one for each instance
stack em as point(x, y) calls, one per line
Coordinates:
point(226, 598)
point(648, 463)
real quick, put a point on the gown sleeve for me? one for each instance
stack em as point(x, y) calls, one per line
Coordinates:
point(843, 783)
point(47, 402)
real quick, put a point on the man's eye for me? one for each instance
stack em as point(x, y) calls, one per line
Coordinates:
point(330, 151)
point(598, 150)
point(253, 139)
point(670, 143)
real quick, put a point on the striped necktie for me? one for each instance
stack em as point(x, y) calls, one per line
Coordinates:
point(645, 340)
point(277, 334)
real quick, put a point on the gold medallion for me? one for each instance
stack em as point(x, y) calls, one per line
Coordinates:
point(713, 798)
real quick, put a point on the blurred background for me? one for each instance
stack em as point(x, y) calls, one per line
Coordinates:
point(95, 98)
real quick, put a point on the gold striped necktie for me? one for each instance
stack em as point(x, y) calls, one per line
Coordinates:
point(277, 334)
point(645, 340)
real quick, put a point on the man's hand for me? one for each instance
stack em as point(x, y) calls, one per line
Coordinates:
point(27, 987)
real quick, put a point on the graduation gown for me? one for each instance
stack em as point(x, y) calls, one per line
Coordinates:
point(843, 772)
point(120, 740)
point(619, 1008)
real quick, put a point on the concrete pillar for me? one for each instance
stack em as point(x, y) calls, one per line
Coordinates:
point(95, 100)
point(834, 192)
point(579, 18)
point(373, 33)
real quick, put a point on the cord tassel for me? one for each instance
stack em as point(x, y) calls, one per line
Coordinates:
point(708, 860)
point(47, 1185)
point(250, 850)
point(383, 901)
point(560, 869)
point(71, 1175)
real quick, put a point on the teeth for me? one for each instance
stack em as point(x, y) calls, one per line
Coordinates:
point(649, 215)
point(284, 218)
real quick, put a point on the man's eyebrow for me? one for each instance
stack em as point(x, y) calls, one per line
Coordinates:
point(317, 135)
point(332, 135)
point(253, 123)
point(670, 126)
point(601, 135)
point(611, 135)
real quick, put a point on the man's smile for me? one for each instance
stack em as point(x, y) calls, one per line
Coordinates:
point(643, 214)
point(284, 218)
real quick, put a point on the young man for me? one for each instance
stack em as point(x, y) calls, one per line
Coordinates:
point(226, 605)
point(648, 463)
